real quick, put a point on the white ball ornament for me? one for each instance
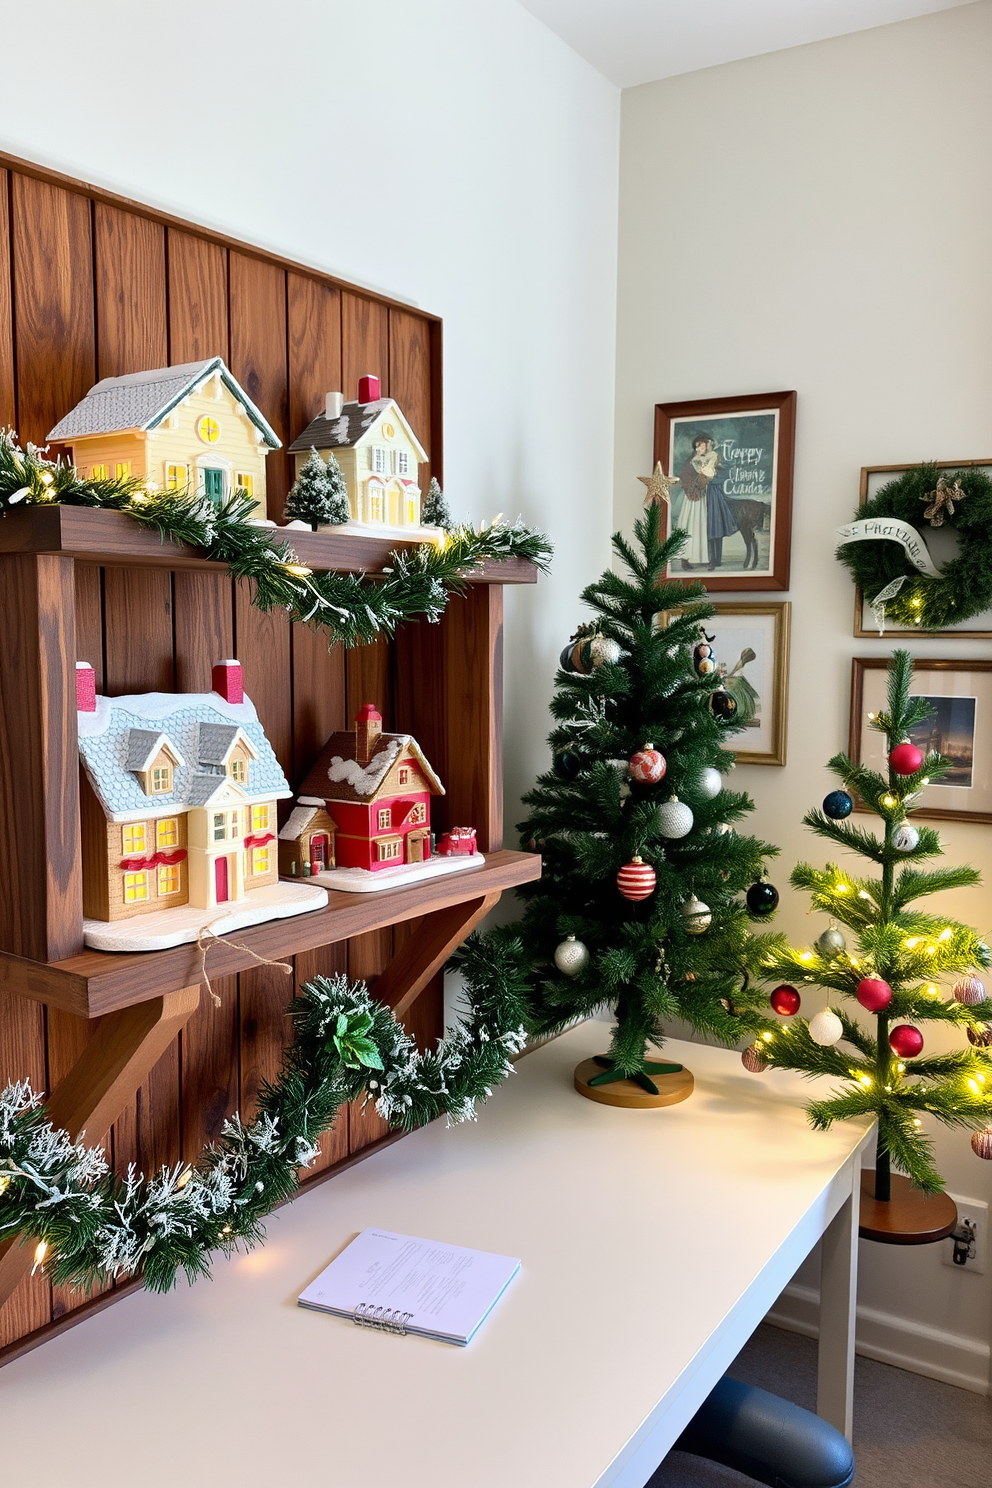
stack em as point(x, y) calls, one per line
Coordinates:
point(825, 1028)
point(905, 837)
point(710, 783)
point(675, 818)
point(604, 650)
point(697, 915)
point(572, 956)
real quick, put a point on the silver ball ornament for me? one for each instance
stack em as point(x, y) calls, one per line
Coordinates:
point(831, 942)
point(710, 783)
point(604, 650)
point(905, 837)
point(697, 915)
point(675, 819)
point(825, 1028)
point(572, 956)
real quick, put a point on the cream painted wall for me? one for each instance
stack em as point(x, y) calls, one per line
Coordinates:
point(457, 156)
point(821, 219)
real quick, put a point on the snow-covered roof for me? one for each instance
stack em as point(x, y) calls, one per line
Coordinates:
point(216, 740)
point(143, 745)
point(338, 776)
point(352, 424)
point(297, 822)
point(105, 746)
point(141, 400)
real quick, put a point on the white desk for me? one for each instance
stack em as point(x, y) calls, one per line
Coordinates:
point(653, 1242)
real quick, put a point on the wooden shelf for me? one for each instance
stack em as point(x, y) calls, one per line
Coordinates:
point(99, 982)
point(111, 538)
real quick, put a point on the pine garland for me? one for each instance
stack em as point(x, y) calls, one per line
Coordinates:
point(351, 609)
point(89, 1226)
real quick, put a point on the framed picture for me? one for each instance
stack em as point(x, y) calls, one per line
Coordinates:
point(959, 726)
point(732, 459)
point(942, 544)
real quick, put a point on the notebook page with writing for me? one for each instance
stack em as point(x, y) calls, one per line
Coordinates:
point(446, 1290)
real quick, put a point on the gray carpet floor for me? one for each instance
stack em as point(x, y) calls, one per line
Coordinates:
point(909, 1432)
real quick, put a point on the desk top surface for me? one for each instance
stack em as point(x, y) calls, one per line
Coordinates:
point(644, 1237)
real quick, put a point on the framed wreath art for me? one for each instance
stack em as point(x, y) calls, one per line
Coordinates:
point(920, 547)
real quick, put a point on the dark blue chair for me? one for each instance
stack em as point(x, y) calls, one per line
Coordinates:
point(768, 1439)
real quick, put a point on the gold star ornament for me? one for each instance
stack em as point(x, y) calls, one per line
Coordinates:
point(658, 485)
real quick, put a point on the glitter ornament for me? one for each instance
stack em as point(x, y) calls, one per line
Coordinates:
point(710, 783)
point(831, 942)
point(970, 991)
point(837, 805)
point(753, 1059)
point(906, 759)
point(723, 705)
point(697, 915)
point(874, 994)
point(647, 765)
point(761, 899)
point(572, 956)
point(979, 1035)
point(981, 1143)
point(586, 653)
point(905, 837)
point(825, 1028)
point(636, 879)
point(785, 1000)
point(604, 651)
point(675, 819)
point(905, 1041)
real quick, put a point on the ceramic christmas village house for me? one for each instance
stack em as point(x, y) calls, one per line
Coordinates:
point(362, 821)
point(178, 806)
point(175, 427)
point(378, 454)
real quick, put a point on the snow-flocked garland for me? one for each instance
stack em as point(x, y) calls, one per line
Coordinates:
point(353, 609)
point(87, 1225)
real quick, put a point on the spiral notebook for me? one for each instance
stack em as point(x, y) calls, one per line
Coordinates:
point(403, 1284)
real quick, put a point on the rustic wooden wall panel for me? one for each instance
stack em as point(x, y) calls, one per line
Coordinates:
point(410, 375)
point(257, 299)
point(8, 402)
point(198, 325)
point(364, 343)
point(22, 1057)
point(314, 319)
point(129, 255)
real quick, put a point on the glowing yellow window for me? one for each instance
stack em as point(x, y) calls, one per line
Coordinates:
point(259, 818)
point(122, 470)
point(161, 779)
point(388, 851)
point(133, 838)
point(244, 482)
point(98, 472)
point(135, 887)
point(168, 879)
point(375, 504)
point(411, 511)
point(208, 429)
point(167, 832)
point(260, 860)
point(385, 818)
point(176, 477)
point(237, 771)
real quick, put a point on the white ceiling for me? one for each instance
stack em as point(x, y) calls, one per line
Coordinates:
point(636, 41)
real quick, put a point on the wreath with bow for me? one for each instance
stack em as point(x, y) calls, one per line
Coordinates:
point(896, 587)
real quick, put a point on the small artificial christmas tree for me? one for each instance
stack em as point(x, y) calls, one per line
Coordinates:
point(638, 904)
point(894, 968)
point(435, 511)
point(319, 494)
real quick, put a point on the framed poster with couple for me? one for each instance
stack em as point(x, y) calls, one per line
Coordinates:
point(730, 461)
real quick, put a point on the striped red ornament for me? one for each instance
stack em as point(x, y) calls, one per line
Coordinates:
point(636, 879)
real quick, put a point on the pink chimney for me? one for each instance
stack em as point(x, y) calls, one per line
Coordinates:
point(85, 687)
point(368, 727)
point(368, 389)
point(226, 679)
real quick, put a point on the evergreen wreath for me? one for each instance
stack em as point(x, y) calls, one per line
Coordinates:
point(90, 1226)
point(353, 609)
point(964, 587)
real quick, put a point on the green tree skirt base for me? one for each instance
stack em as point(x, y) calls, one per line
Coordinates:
point(612, 1073)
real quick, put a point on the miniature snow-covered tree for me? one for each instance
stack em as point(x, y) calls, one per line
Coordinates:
point(435, 511)
point(893, 970)
point(319, 494)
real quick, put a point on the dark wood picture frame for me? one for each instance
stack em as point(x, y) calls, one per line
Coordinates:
point(784, 404)
point(861, 665)
point(861, 632)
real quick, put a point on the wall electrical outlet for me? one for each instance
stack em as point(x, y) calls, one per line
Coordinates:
point(973, 1214)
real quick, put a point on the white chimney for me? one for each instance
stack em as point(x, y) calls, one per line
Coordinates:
point(333, 405)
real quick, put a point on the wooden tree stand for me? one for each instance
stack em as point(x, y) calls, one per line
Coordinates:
point(909, 1217)
point(672, 1084)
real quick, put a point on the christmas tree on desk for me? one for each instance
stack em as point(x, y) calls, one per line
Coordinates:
point(638, 905)
point(893, 970)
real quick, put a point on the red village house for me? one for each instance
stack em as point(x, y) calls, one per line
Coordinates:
point(365, 804)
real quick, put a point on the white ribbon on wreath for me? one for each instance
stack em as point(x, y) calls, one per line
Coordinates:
point(875, 529)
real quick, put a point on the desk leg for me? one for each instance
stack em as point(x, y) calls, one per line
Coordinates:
point(838, 1301)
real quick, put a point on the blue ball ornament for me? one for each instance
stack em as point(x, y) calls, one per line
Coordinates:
point(837, 805)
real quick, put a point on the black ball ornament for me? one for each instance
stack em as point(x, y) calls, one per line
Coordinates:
point(761, 899)
point(837, 805)
point(724, 706)
point(567, 763)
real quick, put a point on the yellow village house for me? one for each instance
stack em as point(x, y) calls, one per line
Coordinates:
point(174, 427)
point(378, 453)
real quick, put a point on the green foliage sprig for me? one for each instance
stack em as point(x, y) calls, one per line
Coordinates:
point(353, 609)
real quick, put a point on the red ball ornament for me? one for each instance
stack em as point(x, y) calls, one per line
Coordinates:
point(785, 1000)
point(636, 879)
point(648, 765)
point(753, 1059)
point(906, 759)
point(874, 994)
point(906, 1041)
